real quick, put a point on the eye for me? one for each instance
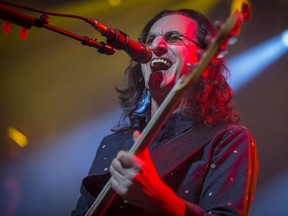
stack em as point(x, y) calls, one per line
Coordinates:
point(149, 39)
point(172, 36)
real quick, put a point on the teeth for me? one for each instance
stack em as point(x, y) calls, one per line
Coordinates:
point(164, 61)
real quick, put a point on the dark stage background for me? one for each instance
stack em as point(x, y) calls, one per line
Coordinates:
point(61, 96)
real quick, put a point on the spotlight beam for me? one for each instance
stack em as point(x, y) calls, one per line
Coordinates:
point(246, 66)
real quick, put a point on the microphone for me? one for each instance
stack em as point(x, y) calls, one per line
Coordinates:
point(119, 40)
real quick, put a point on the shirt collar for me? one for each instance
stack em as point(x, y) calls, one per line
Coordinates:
point(179, 122)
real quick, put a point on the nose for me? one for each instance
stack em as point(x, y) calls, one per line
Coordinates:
point(159, 46)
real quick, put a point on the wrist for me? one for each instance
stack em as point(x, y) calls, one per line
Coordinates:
point(170, 204)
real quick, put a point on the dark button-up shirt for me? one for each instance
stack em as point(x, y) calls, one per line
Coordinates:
point(218, 177)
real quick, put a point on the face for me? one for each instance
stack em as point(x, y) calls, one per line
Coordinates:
point(169, 58)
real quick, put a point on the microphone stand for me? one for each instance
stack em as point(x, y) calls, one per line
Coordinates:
point(26, 21)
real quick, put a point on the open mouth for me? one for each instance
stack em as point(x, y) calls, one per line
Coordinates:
point(160, 64)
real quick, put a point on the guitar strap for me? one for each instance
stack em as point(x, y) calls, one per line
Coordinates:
point(173, 154)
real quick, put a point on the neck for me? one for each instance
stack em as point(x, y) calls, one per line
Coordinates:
point(155, 106)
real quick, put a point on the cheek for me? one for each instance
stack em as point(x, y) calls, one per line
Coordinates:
point(189, 56)
point(144, 69)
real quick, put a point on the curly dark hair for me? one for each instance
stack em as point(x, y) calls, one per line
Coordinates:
point(209, 102)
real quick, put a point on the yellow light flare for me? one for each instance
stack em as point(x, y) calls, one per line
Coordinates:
point(202, 6)
point(19, 138)
point(114, 2)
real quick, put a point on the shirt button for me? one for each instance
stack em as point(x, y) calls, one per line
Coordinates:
point(103, 146)
point(105, 169)
point(213, 166)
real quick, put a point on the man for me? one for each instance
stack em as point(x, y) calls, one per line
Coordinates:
point(219, 173)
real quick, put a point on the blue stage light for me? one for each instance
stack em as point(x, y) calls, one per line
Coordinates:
point(285, 38)
point(246, 66)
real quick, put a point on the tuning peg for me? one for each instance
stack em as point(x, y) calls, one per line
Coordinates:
point(6, 27)
point(222, 54)
point(23, 33)
point(232, 40)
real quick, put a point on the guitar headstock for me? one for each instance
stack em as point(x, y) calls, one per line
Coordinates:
point(240, 11)
point(241, 6)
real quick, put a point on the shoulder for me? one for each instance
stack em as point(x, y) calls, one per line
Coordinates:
point(234, 135)
point(233, 130)
point(121, 140)
point(116, 138)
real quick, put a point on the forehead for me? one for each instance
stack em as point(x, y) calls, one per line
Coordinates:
point(178, 22)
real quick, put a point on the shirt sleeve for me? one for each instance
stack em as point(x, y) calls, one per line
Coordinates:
point(229, 185)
